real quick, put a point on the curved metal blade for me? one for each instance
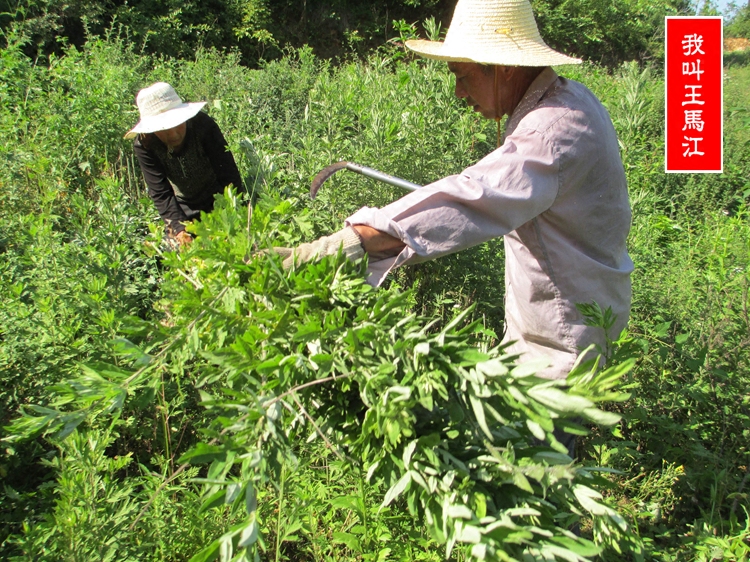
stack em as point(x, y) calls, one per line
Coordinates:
point(323, 175)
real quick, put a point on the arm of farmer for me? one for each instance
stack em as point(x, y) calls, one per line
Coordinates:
point(504, 190)
point(160, 190)
point(509, 187)
point(221, 158)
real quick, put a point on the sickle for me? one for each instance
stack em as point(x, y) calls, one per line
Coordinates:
point(331, 169)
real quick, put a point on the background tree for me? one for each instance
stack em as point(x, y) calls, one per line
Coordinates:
point(607, 32)
point(602, 31)
point(739, 24)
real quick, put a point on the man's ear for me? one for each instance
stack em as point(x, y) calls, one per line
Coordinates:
point(507, 72)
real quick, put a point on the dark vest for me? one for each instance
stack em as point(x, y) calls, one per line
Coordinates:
point(189, 170)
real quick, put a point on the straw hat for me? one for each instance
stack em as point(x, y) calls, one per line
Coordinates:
point(497, 32)
point(161, 109)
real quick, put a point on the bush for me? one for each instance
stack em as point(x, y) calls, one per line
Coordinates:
point(451, 432)
point(739, 25)
point(605, 32)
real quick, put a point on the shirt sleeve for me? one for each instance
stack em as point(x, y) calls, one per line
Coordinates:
point(221, 158)
point(159, 189)
point(504, 190)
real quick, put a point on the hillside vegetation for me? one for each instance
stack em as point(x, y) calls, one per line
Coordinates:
point(207, 405)
point(605, 32)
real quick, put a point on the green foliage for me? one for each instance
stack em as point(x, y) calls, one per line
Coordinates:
point(260, 30)
point(45, 22)
point(607, 32)
point(64, 298)
point(133, 518)
point(139, 358)
point(451, 433)
point(63, 125)
point(706, 360)
point(685, 444)
point(684, 451)
point(739, 26)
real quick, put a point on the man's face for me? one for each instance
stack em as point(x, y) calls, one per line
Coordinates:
point(476, 85)
point(173, 137)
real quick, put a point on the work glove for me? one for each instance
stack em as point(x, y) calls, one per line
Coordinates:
point(346, 239)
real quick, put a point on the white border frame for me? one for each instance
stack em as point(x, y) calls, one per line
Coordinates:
point(666, 78)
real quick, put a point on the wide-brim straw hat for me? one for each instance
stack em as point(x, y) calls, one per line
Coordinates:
point(496, 32)
point(161, 109)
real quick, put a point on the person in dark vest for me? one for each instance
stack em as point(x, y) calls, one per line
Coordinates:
point(183, 155)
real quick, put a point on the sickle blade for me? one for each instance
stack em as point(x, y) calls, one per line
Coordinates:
point(323, 175)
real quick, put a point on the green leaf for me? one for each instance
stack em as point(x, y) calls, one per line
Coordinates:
point(468, 534)
point(552, 458)
point(529, 368)
point(587, 498)
point(233, 492)
point(522, 482)
point(408, 452)
point(522, 512)
point(402, 393)
point(351, 541)
point(601, 417)
point(422, 348)
point(477, 407)
point(556, 399)
point(581, 546)
point(479, 551)
point(249, 535)
point(568, 426)
point(397, 489)
point(536, 430)
point(207, 554)
point(492, 368)
point(418, 479)
point(71, 423)
point(345, 502)
point(480, 505)
point(459, 512)
point(202, 453)
point(371, 470)
point(456, 321)
point(251, 499)
point(470, 357)
point(562, 553)
point(214, 500)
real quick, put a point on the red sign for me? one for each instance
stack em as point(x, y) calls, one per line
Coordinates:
point(694, 94)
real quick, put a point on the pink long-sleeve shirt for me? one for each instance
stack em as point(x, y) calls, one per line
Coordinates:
point(556, 191)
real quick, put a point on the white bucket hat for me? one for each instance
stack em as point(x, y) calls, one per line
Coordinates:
point(161, 109)
point(497, 32)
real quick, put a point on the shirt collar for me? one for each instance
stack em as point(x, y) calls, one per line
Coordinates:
point(531, 98)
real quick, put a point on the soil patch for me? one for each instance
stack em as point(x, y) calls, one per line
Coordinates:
point(736, 44)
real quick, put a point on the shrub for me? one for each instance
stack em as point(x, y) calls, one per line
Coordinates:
point(451, 432)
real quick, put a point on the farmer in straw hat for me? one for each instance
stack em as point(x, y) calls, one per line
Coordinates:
point(183, 156)
point(554, 188)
